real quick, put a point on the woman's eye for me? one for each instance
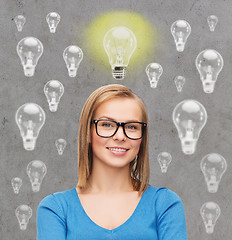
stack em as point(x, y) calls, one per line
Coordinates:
point(107, 125)
point(131, 127)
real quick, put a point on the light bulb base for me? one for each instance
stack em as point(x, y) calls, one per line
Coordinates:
point(209, 229)
point(72, 72)
point(119, 72)
point(208, 87)
point(188, 146)
point(212, 187)
point(23, 226)
point(53, 107)
point(29, 70)
point(35, 187)
point(180, 47)
point(29, 144)
point(153, 84)
point(164, 169)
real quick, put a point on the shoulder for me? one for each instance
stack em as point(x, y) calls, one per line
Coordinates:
point(163, 194)
point(59, 200)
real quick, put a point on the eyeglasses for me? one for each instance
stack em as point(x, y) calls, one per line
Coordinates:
point(107, 128)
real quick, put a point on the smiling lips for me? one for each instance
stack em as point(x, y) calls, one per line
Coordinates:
point(118, 150)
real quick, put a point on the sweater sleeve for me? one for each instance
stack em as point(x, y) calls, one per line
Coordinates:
point(171, 224)
point(51, 223)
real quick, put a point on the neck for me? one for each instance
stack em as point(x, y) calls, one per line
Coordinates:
point(109, 180)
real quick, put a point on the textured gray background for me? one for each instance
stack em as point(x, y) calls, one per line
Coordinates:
point(184, 175)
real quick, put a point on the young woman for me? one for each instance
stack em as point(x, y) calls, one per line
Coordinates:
point(113, 198)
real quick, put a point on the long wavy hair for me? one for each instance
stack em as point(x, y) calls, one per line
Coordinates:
point(139, 167)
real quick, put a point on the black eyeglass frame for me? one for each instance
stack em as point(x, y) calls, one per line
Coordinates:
point(119, 124)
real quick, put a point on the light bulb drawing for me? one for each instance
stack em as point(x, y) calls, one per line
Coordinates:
point(53, 91)
point(189, 117)
point(119, 44)
point(213, 166)
point(16, 184)
point(209, 64)
point(23, 214)
point(53, 19)
point(29, 50)
point(212, 22)
point(20, 20)
point(30, 118)
point(154, 71)
point(180, 30)
point(179, 82)
point(164, 159)
point(36, 171)
point(73, 56)
point(210, 212)
point(60, 145)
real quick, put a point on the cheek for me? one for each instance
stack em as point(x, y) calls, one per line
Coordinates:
point(136, 145)
point(96, 140)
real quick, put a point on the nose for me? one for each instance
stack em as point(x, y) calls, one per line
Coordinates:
point(119, 135)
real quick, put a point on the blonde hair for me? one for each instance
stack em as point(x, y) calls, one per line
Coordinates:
point(139, 168)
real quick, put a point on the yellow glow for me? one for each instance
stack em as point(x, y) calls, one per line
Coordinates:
point(145, 34)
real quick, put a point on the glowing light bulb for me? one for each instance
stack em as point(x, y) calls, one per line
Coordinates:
point(53, 18)
point(36, 170)
point(212, 22)
point(29, 50)
point(119, 44)
point(16, 184)
point(180, 30)
point(209, 64)
point(60, 145)
point(213, 166)
point(210, 212)
point(179, 82)
point(30, 118)
point(53, 91)
point(23, 214)
point(164, 159)
point(20, 20)
point(154, 71)
point(73, 56)
point(189, 117)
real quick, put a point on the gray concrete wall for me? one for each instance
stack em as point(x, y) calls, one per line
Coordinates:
point(184, 175)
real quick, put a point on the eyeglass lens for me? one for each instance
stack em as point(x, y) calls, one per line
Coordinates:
point(107, 129)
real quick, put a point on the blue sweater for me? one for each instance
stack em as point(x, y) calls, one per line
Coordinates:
point(159, 215)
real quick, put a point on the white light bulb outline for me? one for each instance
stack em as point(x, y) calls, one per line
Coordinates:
point(20, 21)
point(180, 37)
point(154, 72)
point(119, 43)
point(53, 91)
point(53, 19)
point(213, 167)
point(209, 74)
point(189, 129)
point(16, 183)
point(60, 145)
point(73, 56)
point(32, 124)
point(179, 82)
point(210, 212)
point(212, 22)
point(29, 50)
point(164, 159)
point(23, 214)
point(36, 171)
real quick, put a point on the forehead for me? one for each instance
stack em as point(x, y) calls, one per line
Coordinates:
point(120, 109)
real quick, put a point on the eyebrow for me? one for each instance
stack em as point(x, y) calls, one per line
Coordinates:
point(106, 117)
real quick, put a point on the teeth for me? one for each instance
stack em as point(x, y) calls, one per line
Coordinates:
point(118, 149)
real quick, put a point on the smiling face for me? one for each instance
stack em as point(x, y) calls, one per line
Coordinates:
point(118, 150)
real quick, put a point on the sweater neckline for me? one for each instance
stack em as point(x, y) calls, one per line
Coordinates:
point(133, 215)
